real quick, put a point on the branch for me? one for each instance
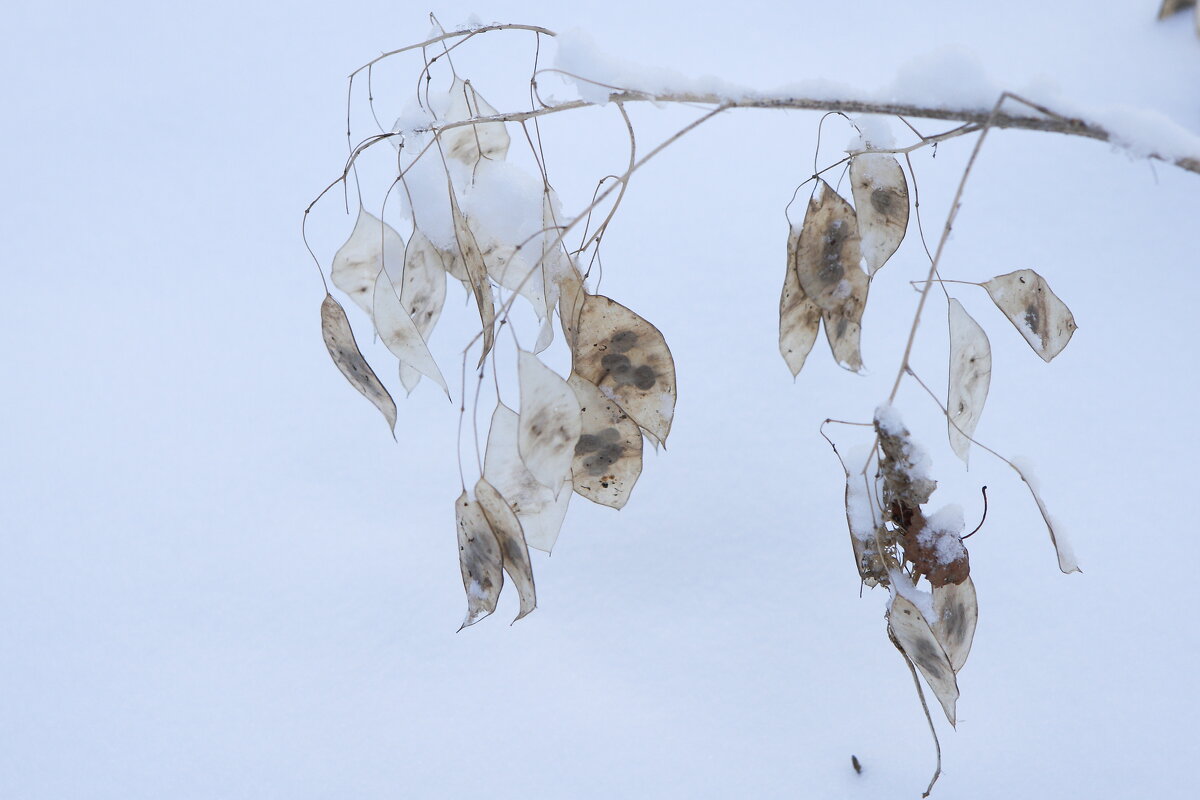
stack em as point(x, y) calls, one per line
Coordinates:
point(974, 118)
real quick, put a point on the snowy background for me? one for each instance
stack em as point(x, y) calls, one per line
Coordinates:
point(221, 578)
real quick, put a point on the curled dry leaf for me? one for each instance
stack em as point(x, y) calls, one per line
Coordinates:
point(799, 317)
point(423, 295)
point(608, 455)
point(955, 614)
point(540, 512)
point(479, 560)
point(550, 422)
point(1043, 319)
point(904, 465)
point(472, 260)
point(357, 263)
point(912, 632)
point(509, 269)
point(339, 340)
point(511, 539)
point(934, 548)
point(399, 333)
point(471, 142)
point(970, 377)
point(628, 360)
point(881, 200)
point(828, 256)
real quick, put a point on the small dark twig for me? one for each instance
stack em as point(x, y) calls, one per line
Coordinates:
point(981, 521)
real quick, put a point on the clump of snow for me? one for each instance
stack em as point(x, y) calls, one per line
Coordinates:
point(901, 584)
point(942, 534)
point(597, 74)
point(873, 132)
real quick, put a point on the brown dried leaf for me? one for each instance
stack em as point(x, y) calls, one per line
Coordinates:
point(828, 258)
point(535, 505)
point(468, 143)
point(1043, 319)
point(339, 340)
point(934, 548)
point(799, 317)
point(357, 263)
point(511, 538)
point(970, 377)
point(628, 360)
point(955, 613)
point(905, 464)
point(399, 333)
point(881, 200)
point(550, 422)
point(423, 295)
point(910, 629)
point(472, 259)
point(867, 531)
point(479, 560)
point(608, 455)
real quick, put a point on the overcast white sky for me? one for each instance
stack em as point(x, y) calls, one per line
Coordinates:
point(221, 578)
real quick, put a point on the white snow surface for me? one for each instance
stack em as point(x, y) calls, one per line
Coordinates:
point(220, 577)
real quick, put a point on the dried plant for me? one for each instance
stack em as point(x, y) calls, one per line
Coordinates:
point(583, 432)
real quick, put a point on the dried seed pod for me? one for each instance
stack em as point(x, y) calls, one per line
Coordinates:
point(1043, 319)
point(423, 295)
point(472, 260)
point(608, 455)
point(799, 317)
point(955, 614)
point(970, 377)
point(357, 263)
point(550, 422)
point(881, 201)
point(628, 360)
point(828, 258)
point(540, 512)
point(339, 340)
point(514, 552)
point(911, 631)
point(479, 560)
point(399, 333)
point(471, 142)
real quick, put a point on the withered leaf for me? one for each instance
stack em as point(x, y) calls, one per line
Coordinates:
point(828, 258)
point(910, 629)
point(471, 142)
point(628, 360)
point(479, 560)
point(867, 532)
point(339, 340)
point(934, 549)
point(571, 294)
point(511, 538)
point(399, 333)
point(905, 465)
point(472, 260)
point(799, 317)
point(955, 612)
point(608, 455)
point(1043, 319)
point(881, 200)
point(423, 295)
point(970, 377)
point(550, 422)
point(357, 263)
point(509, 269)
point(541, 514)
